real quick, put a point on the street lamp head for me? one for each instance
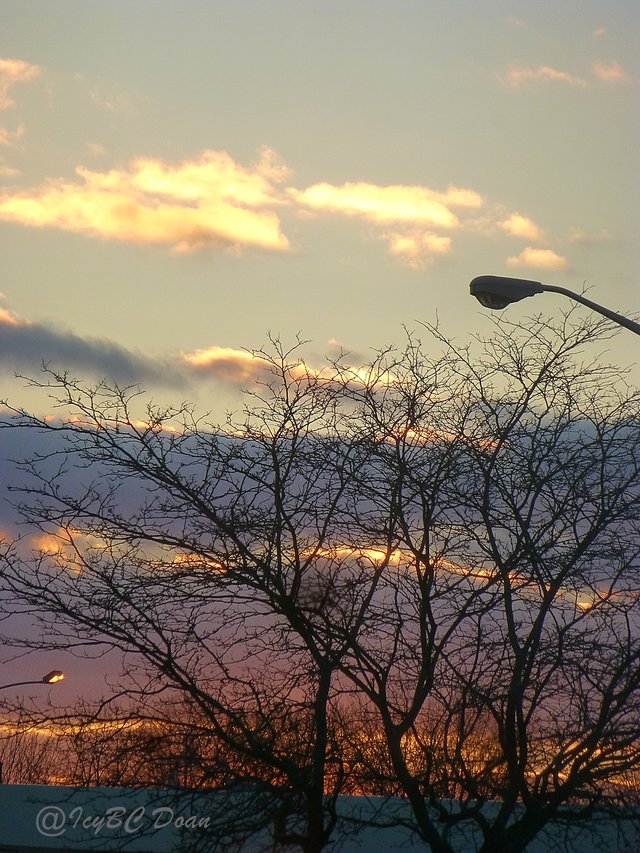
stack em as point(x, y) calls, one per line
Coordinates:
point(53, 677)
point(497, 291)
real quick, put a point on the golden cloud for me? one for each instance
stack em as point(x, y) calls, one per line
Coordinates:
point(516, 76)
point(389, 204)
point(544, 259)
point(413, 210)
point(612, 72)
point(517, 225)
point(13, 71)
point(208, 202)
point(226, 363)
point(240, 367)
point(418, 249)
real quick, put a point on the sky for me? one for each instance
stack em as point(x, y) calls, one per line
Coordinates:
point(180, 179)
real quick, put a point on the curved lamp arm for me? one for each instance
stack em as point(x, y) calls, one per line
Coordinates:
point(496, 292)
point(52, 677)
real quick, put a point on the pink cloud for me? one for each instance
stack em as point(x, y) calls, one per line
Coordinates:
point(611, 72)
point(12, 72)
point(517, 76)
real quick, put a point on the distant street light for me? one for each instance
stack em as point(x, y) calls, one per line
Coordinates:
point(52, 677)
point(497, 291)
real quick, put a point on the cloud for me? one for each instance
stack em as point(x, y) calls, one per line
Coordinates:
point(117, 103)
point(238, 367)
point(418, 249)
point(581, 238)
point(389, 204)
point(11, 137)
point(612, 72)
point(12, 72)
point(518, 225)
point(517, 23)
point(241, 367)
point(8, 318)
point(543, 259)
point(25, 346)
point(414, 211)
point(235, 366)
point(209, 202)
point(8, 171)
point(97, 149)
point(517, 76)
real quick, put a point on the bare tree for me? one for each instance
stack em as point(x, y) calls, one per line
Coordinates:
point(419, 578)
point(503, 651)
point(189, 551)
point(29, 753)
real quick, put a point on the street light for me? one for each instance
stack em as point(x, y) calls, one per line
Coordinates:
point(497, 291)
point(52, 677)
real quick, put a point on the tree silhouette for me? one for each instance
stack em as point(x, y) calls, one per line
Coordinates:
point(415, 578)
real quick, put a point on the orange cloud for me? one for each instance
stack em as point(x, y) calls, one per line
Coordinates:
point(7, 318)
point(517, 225)
point(544, 259)
point(13, 71)
point(374, 555)
point(424, 435)
point(66, 539)
point(612, 72)
point(517, 76)
point(389, 204)
point(208, 202)
point(195, 561)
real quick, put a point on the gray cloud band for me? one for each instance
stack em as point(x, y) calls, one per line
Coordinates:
point(25, 346)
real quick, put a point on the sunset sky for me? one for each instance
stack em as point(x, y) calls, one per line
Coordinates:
point(179, 179)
